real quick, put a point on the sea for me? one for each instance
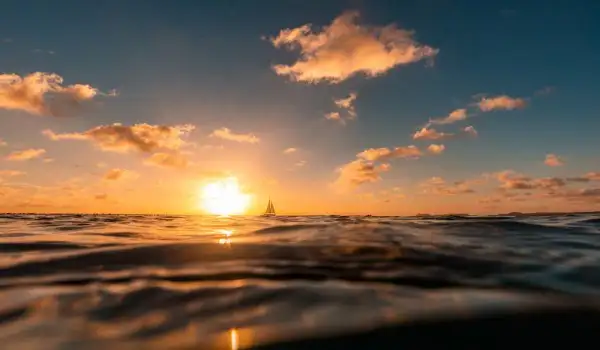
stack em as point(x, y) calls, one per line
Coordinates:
point(298, 282)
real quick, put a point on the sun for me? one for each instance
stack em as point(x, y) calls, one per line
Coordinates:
point(223, 197)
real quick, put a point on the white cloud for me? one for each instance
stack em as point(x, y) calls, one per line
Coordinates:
point(289, 150)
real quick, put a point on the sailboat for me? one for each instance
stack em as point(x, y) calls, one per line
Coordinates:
point(270, 209)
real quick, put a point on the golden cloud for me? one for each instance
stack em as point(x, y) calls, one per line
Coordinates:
point(120, 174)
point(43, 94)
point(144, 138)
point(168, 160)
point(359, 172)
point(289, 150)
point(553, 160)
point(383, 153)
point(227, 134)
point(502, 102)
point(26, 154)
point(430, 134)
point(436, 149)
point(345, 48)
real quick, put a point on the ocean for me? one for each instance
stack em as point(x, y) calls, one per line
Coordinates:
point(308, 282)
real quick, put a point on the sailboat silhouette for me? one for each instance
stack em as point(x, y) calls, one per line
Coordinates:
point(270, 209)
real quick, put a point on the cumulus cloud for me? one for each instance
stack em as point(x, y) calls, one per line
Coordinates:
point(227, 134)
point(345, 48)
point(553, 160)
point(359, 172)
point(26, 154)
point(383, 153)
point(144, 138)
point(289, 150)
point(436, 149)
point(510, 180)
point(453, 117)
point(42, 93)
point(502, 102)
point(167, 160)
point(430, 134)
point(591, 176)
point(119, 174)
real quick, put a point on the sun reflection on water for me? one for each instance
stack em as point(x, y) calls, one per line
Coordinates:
point(225, 240)
point(234, 339)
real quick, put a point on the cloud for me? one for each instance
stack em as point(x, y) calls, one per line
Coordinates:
point(300, 164)
point(436, 149)
point(453, 117)
point(545, 91)
point(502, 102)
point(470, 131)
point(226, 134)
point(439, 186)
point(359, 172)
point(26, 154)
point(591, 176)
point(553, 160)
point(101, 196)
point(430, 134)
point(119, 174)
point(143, 138)
point(379, 154)
point(3, 143)
point(43, 94)
point(510, 180)
point(335, 116)
point(48, 160)
point(10, 173)
point(167, 160)
point(345, 48)
point(347, 104)
point(290, 150)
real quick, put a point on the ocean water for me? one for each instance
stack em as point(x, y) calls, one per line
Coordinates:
point(331, 282)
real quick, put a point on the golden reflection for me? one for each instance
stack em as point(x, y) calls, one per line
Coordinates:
point(234, 339)
point(225, 240)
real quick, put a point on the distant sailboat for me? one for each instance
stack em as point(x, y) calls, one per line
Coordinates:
point(270, 209)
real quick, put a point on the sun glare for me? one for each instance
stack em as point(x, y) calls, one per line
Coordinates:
point(224, 197)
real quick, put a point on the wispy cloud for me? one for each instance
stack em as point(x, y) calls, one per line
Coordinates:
point(167, 160)
point(290, 150)
point(144, 138)
point(26, 154)
point(335, 116)
point(381, 154)
point(227, 134)
point(347, 104)
point(120, 174)
point(10, 173)
point(43, 94)
point(502, 102)
point(453, 117)
point(3, 143)
point(439, 186)
point(431, 134)
point(41, 51)
point(553, 160)
point(346, 48)
point(436, 149)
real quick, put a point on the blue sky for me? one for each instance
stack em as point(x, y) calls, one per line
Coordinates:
point(210, 65)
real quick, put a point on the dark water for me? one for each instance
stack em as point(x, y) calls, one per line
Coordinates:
point(157, 282)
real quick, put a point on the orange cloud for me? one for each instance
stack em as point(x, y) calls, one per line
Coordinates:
point(454, 116)
point(26, 154)
point(3, 143)
point(379, 154)
point(430, 134)
point(347, 104)
point(436, 149)
point(290, 150)
point(553, 160)
point(10, 173)
point(42, 94)
point(119, 174)
point(226, 134)
point(335, 116)
point(144, 138)
point(167, 160)
point(439, 186)
point(503, 102)
point(510, 180)
point(359, 172)
point(345, 48)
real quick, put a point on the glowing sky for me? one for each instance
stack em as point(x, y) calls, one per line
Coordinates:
point(336, 107)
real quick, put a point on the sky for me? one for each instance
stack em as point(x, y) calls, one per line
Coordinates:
point(331, 107)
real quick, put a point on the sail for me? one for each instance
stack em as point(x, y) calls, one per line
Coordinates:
point(270, 208)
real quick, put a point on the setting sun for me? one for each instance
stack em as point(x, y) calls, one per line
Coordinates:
point(223, 197)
